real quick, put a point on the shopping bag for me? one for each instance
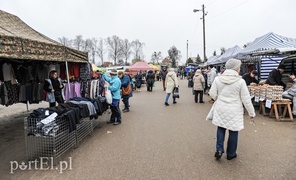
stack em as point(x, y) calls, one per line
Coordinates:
point(108, 96)
point(176, 93)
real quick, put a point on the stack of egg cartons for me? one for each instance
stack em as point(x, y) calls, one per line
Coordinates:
point(257, 91)
point(274, 93)
point(262, 92)
point(251, 90)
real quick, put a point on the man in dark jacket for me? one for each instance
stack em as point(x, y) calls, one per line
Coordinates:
point(250, 77)
point(275, 76)
point(163, 74)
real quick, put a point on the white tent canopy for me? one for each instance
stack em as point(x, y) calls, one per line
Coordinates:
point(212, 60)
point(229, 53)
point(267, 42)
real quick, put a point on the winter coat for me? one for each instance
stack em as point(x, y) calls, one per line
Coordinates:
point(171, 81)
point(211, 76)
point(114, 86)
point(125, 81)
point(163, 74)
point(150, 78)
point(139, 80)
point(198, 80)
point(230, 93)
point(275, 78)
point(292, 90)
point(48, 86)
point(247, 77)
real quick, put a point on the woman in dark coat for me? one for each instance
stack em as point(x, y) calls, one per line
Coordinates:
point(139, 80)
point(150, 80)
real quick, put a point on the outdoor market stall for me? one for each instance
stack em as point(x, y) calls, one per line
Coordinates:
point(26, 57)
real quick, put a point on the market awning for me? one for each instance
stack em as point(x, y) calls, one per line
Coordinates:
point(154, 67)
point(20, 41)
point(267, 42)
point(229, 53)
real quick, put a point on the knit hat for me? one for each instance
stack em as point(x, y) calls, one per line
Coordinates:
point(113, 72)
point(233, 64)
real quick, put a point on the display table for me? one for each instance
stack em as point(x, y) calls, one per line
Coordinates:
point(276, 106)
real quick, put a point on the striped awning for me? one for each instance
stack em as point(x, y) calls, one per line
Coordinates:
point(267, 42)
point(229, 53)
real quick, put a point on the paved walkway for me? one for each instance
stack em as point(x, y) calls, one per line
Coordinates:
point(174, 142)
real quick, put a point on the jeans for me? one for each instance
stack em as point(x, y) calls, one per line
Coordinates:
point(168, 96)
point(125, 102)
point(231, 143)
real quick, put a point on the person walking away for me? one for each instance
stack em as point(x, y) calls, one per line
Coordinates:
point(114, 87)
point(139, 81)
point(250, 77)
point(150, 80)
point(125, 82)
point(163, 74)
point(291, 94)
point(53, 87)
point(275, 76)
point(171, 83)
point(198, 81)
point(230, 93)
point(212, 73)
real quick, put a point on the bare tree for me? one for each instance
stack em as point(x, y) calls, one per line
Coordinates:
point(125, 47)
point(78, 42)
point(222, 49)
point(174, 55)
point(138, 49)
point(100, 50)
point(156, 57)
point(93, 49)
point(65, 41)
point(113, 44)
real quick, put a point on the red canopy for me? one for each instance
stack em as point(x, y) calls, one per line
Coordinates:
point(143, 66)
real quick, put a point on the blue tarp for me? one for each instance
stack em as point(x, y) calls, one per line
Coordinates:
point(188, 68)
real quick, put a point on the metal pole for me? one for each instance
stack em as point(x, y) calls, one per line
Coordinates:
point(187, 52)
point(204, 32)
point(67, 71)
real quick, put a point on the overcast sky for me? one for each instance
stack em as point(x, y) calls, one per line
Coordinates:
point(160, 24)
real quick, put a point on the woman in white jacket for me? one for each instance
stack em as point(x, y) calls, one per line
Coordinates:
point(171, 82)
point(230, 93)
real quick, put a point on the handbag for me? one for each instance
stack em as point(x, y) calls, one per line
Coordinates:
point(126, 90)
point(176, 93)
point(108, 96)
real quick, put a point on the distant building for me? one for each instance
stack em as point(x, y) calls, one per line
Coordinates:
point(107, 64)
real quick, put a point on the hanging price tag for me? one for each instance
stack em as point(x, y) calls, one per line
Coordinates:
point(268, 103)
point(256, 99)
